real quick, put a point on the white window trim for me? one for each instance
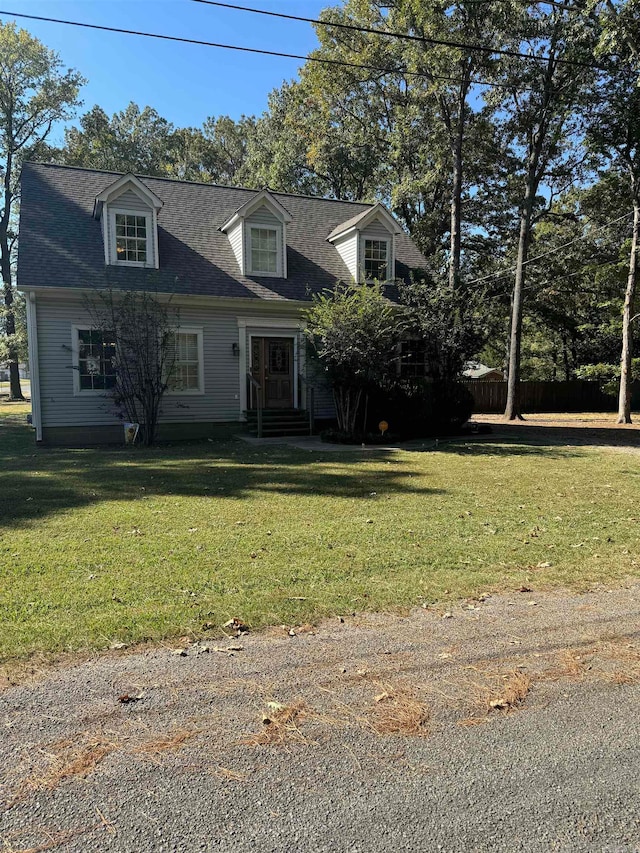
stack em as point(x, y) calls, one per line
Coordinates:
point(149, 224)
point(75, 361)
point(190, 392)
point(279, 249)
point(390, 259)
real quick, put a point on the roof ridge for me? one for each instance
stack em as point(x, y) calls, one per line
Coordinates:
point(195, 183)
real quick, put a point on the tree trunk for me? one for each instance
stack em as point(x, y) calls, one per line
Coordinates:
point(456, 210)
point(15, 391)
point(457, 151)
point(624, 399)
point(512, 409)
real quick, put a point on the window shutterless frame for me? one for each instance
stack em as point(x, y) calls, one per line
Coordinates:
point(116, 215)
point(375, 258)
point(264, 245)
point(190, 392)
point(76, 345)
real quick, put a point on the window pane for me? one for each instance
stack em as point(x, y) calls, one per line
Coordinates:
point(185, 373)
point(96, 359)
point(131, 237)
point(264, 250)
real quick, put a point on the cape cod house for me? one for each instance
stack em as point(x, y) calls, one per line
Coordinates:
point(240, 265)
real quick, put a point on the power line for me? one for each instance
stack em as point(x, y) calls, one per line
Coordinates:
point(550, 252)
point(393, 34)
point(261, 51)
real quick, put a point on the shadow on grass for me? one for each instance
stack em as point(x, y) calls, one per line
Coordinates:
point(565, 435)
point(36, 482)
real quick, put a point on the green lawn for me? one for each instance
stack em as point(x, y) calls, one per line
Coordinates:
point(100, 546)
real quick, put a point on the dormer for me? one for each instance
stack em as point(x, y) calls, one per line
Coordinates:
point(366, 244)
point(128, 211)
point(257, 232)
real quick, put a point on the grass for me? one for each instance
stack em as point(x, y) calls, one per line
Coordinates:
point(125, 545)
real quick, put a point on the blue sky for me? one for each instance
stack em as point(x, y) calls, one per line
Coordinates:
point(185, 83)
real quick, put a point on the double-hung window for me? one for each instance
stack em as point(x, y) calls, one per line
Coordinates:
point(185, 358)
point(376, 257)
point(413, 359)
point(131, 233)
point(95, 362)
point(263, 251)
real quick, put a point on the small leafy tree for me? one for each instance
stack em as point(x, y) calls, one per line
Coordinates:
point(141, 328)
point(354, 331)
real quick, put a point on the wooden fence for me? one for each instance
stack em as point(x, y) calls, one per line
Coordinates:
point(575, 396)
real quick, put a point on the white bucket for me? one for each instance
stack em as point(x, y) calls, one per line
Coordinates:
point(130, 432)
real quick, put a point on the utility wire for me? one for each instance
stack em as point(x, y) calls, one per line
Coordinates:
point(394, 34)
point(550, 252)
point(184, 40)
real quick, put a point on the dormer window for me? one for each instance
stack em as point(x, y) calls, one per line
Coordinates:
point(376, 255)
point(257, 234)
point(366, 244)
point(131, 235)
point(128, 211)
point(263, 248)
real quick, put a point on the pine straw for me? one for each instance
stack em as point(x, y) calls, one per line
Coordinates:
point(64, 760)
point(570, 664)
point(225, 774)
point(512, 694)
point(165, 743)
point(280, 726)
point(53, 840)
point(398, 711)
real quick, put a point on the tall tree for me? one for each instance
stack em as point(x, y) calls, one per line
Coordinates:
point(419, 111)
point(132, 140)
point(228, 142)
point(614, 133)
point(36, 92)
point(536, 102)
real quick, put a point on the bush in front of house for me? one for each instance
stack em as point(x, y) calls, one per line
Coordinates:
point(418, 407)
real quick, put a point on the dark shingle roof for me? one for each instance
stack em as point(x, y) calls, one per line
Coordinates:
point(61, 243)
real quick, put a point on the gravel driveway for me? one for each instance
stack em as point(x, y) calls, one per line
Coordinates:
point(510, 723)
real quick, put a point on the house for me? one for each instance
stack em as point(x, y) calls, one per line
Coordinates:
point(240, 265)
point(482, 372)
point(23, 371)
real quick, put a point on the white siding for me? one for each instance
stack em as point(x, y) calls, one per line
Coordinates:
point(235, 238)
point(348, 249)
point(376, 231)
point(129, 200)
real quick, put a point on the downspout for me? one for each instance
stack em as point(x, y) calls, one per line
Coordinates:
point(34, 365)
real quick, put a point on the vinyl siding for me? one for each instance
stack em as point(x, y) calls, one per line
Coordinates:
point(323, 395)
point(219, 403)
point(129, 200)
point(348, 249)
point(376, 231)
point(235, 238)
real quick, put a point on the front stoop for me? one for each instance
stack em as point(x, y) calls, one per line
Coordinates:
point(279, 422)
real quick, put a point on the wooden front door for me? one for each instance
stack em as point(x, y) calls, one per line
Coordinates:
point(272, 366)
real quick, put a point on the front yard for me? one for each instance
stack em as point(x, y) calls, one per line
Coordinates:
point(106, 546)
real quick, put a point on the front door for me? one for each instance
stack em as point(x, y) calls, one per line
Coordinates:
point(272, 366)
